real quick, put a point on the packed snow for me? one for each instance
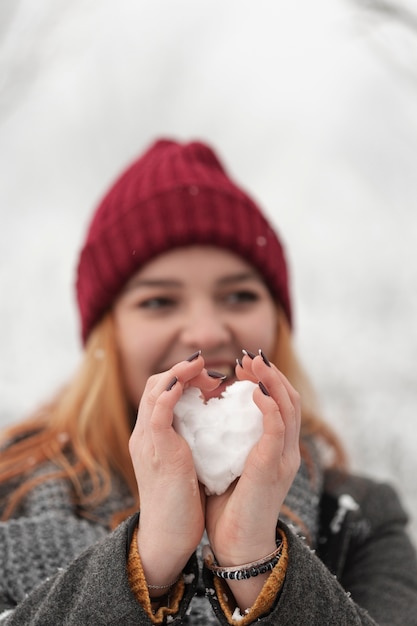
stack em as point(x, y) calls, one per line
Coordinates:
point(220, 432)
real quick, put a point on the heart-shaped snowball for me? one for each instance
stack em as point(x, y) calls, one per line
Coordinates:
point(220, 432)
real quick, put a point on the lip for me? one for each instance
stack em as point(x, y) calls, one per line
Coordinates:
point(223, 366)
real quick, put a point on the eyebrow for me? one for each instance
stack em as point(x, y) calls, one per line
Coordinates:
point(153, 282)
point(171, 283)
point(240, 278)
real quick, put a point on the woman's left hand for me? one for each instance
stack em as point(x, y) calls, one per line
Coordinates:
point(241, 523)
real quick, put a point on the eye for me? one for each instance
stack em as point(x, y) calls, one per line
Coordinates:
point(157, 302)
point(242, 296)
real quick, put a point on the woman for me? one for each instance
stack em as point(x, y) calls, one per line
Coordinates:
point(103, 517)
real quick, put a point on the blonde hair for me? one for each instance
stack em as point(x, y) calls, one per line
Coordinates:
point(85, 429)
point(312, 423)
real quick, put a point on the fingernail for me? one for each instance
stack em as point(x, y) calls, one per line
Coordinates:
point(251, 355)
point(172, 383)
point(263, 389)
point(239, 362)
point(194, 356)
point(265, 360)
point(214, 374)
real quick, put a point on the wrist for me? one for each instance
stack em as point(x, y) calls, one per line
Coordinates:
point(235, 556)
point(161, 565)
point(160, 593)
point(247, 580)
point(250, 569)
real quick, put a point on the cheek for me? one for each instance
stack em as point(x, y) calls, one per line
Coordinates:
point(265, 338)
point(259, 331)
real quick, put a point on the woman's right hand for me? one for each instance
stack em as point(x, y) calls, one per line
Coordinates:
point(171, 499)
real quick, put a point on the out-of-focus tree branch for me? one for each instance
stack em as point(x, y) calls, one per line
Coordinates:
point(24, 50)
point(392, 30)
point(391, 10)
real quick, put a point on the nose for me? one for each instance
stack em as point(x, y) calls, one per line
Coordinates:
point(204, 327)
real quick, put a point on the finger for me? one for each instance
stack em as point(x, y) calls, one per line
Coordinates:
point(257, 368)
point(243, 367)
point(157, 384)
point(295, 399)
point(207, 380)
point(158, 441)
point(164, 390)
point(278, 400)
point(275, 458)
point(184, 371)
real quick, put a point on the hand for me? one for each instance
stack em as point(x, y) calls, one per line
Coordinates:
point(171, 500)
point(241, 523)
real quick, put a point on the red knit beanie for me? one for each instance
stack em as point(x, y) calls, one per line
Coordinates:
point(173, 195)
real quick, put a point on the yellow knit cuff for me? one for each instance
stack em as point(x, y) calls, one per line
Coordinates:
point(139, 587)
point(265, 600)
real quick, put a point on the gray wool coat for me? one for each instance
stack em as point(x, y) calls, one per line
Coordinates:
point(58, 569)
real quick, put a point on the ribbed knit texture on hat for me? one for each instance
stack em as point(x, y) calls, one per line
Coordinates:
point(174, 195)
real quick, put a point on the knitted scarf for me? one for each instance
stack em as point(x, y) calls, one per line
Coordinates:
point(301, 511)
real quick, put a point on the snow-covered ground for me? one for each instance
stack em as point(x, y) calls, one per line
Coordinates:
point(314, 109)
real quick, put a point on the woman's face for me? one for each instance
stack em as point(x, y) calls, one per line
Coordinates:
point(194, 298)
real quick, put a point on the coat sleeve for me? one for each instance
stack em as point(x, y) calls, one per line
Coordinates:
point(311, 595)
point(380, 570)
point(93, 589)
point(376, 581)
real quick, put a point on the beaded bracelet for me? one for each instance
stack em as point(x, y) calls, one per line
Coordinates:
point(242, 572)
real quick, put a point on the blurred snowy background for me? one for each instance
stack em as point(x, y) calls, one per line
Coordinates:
point(312, 106)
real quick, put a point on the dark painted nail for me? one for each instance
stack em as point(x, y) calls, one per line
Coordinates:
point(263, 389)
point(239, 362)
point(214, 374)
point(265, 360)
point(172, 383)
point(251, 355)
point(194, 356)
